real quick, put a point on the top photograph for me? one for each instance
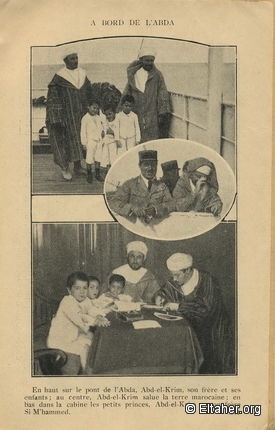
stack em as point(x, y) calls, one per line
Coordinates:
point(94, 100)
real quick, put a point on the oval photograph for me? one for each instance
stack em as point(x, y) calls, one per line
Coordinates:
point(170, 189)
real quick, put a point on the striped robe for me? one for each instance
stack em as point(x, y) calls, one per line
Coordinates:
point(66, 105)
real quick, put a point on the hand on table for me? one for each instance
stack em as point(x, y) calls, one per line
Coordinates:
point(138, 211)
point(216, 208)
point(101, 321)
point(171, 307)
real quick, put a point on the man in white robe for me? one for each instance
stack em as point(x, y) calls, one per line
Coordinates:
point(140, 284)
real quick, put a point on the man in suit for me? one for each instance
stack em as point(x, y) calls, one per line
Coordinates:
point(144, 196)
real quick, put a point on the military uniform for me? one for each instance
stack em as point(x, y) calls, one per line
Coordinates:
point(134, 192)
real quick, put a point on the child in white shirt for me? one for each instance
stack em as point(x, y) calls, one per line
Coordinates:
point(91, 135)
point(70, 327)
point(114, 293)
point(111, 142)
point(128, 125)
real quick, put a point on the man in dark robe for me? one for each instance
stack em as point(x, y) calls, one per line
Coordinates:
point(196, 295)
point(66, 105)
point(197, 188)
point(152, 102)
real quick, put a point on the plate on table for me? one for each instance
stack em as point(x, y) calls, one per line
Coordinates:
point(167, 317)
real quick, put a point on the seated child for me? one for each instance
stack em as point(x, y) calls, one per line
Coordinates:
point(114, 293)
point(93, 289)
point(111, 142)
point(129, 130)
point(91, 130)
point(70, 327)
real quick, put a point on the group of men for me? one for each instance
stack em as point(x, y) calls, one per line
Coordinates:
point(150, 200)
point(67, 98)
point(193, 293)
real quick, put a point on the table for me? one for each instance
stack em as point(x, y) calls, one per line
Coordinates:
point(178, 225)
point(121, 349)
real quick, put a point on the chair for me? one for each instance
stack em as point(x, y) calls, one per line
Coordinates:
point(48, 361)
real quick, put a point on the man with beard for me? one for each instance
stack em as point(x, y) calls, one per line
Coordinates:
point(152, 103)
point(66, 105)
point(143, 197)
point(197, 297)
point(197, 188)
point(140, 284)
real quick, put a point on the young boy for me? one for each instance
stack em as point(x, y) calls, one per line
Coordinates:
point(70, 327)
point(93, 289)
point(114, 293)
point(91, 135)
point(111, 142)
point(128, 125)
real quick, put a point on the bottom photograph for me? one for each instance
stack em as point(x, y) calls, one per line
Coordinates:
point(108, 302)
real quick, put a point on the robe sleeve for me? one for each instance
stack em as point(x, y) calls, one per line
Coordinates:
point(150, 291)
point(183, 198)
point(196, 310)
point(74, 314)
point(167, 205)
point(120, 201)
point(212, 198)
point(163, 99)
point(55, 111)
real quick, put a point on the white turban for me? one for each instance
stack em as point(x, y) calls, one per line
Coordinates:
point(204, 169)
point(179, 261)
point(147, 50)
point(67, 50)
point(137, 246)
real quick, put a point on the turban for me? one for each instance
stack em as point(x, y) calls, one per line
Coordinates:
point(204, 169)
point(199, 164)
point(67, 50)
point(137, 246)
point(179, 261)
point(147, 50)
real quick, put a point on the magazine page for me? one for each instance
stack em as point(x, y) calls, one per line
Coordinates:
point(136, 227)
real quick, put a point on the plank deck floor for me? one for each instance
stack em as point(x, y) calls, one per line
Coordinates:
point(47, 179)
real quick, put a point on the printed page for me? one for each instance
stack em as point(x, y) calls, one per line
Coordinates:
point(136, 178)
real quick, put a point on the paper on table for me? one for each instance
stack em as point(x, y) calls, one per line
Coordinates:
point(146, 324)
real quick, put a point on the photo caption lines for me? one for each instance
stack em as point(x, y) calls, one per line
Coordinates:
point(204, 400)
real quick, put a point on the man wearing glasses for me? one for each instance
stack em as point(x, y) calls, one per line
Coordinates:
point(143, 197)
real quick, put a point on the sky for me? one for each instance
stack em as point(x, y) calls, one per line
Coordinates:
point(125, 50)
